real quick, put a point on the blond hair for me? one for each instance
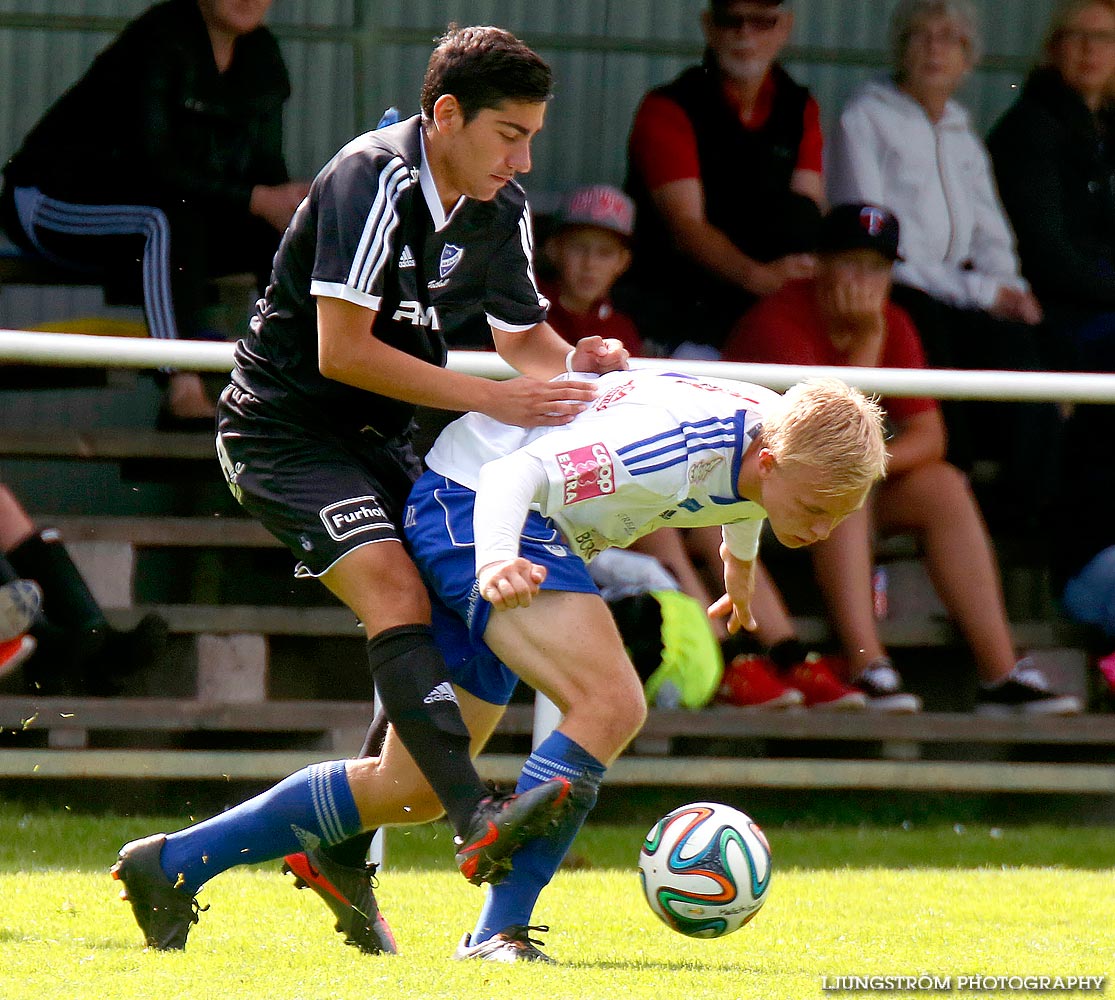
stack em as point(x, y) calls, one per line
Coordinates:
point(826, 424)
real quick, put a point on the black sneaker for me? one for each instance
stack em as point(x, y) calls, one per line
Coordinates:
point(1026, 691)
point(511, 945)
point(348, 893)
point(502, 823)
point(883, 687)
point(164, 912)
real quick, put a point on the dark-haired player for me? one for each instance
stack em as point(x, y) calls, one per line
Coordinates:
point(406, 233)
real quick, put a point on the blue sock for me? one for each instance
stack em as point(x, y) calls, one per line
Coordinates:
point(512, 901)
point(314, 805)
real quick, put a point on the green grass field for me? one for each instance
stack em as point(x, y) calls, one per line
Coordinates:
point(938, 900)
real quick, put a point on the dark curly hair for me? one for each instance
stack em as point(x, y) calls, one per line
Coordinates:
point(483, 67)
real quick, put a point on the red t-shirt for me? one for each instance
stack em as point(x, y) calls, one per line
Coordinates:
point(602, 320)
point(785, 328)
point(663, 145)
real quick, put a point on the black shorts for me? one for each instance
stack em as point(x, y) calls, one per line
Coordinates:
point(321, 494)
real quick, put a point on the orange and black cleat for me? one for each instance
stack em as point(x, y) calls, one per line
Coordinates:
point(502, 823)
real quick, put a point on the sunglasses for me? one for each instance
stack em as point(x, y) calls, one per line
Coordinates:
point(727, 21)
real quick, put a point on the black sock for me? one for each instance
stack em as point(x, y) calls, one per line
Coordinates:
point(416, 693)
point(787, 653)
point(354, 851)
point(67, 600)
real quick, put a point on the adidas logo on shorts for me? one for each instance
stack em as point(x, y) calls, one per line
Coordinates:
point(443, 692)
point(406, 258)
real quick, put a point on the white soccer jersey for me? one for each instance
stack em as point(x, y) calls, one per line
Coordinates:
point(654, 449)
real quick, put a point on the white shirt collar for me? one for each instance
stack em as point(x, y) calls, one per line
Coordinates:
point(429, 191)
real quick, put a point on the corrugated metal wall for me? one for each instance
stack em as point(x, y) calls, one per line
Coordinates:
point(349, 59)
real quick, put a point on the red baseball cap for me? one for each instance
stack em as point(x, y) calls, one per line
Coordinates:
point(599, 205)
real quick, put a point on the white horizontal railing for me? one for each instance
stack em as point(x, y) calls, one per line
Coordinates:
point(79, 350)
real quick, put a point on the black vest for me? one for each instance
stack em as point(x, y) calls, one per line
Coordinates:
point(745, 174)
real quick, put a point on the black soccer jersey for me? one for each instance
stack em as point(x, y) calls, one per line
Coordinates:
point(373, 232)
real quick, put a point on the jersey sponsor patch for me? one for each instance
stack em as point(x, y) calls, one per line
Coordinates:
point(588, 472)
point(417, 315)
point(349, 517)
point(589, 544)
point(450, 257)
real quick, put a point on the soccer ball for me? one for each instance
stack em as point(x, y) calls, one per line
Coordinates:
point(705, 869)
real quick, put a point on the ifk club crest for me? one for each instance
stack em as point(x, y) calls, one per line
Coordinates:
point(450, 257)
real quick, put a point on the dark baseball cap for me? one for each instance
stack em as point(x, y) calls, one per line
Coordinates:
point(860, 226)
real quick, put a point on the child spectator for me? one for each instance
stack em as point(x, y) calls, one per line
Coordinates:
point(589, 250)
point(844, 316)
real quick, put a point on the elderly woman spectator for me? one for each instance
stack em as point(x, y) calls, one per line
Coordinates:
point(1056, 170)
point(905, 142)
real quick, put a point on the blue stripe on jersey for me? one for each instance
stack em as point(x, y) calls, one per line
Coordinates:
point(675, 431)
point(708, 439)
point(375, 246)
point(684, 440)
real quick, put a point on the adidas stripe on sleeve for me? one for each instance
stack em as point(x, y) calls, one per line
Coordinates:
point(354, 252)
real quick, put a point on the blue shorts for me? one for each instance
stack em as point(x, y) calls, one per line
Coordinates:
point(438, 525)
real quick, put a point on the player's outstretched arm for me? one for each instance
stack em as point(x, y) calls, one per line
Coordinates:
point(739, 552)
point(505, 490)
point(542, 353)
point(510, 583)
point(350, 352)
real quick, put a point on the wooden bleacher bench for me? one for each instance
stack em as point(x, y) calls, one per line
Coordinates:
point(107, 444)
point(71, 724)
point(714, 747)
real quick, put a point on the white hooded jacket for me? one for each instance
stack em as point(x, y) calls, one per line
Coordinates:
point(956, 242)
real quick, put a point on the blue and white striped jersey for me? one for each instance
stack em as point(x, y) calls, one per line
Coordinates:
point(654, 449)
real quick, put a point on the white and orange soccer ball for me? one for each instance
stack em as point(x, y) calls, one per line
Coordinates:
point(705, 869)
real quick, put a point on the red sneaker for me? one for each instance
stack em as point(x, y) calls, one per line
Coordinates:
point(817, 681)
point(14, 651)
point(751, 681)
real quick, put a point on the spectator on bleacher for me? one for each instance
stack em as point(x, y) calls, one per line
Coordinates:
point(844, 316)
point(589, 249)
point(724, 164)
point(905, 142)
point(1055, 165)
point(162, 168)
point(77, 651)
